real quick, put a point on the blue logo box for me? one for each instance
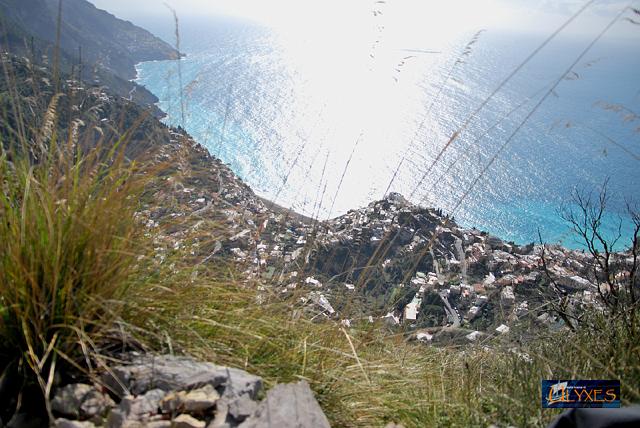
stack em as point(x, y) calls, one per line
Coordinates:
point(557, 394)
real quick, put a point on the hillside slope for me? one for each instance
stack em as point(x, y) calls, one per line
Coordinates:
point(114, 44)
point(103, 48)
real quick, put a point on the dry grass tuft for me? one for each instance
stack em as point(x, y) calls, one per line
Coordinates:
point(68, 246)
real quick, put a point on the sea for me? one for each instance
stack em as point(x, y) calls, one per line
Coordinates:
point(324, 121)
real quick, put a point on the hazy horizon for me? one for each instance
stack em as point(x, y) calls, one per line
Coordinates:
point(457, 16)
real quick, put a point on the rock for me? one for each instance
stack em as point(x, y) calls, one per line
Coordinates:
point(241, 408)
point(143, 405)
point(290, 405)
point(134, 412)
point(65, 423)
point(96, 404)
point(220, 418)
point(158, 424)
point(119, 419)
point(81, 401)
point(187, 421)
point(116, 419)
point(67, 400)
point(196, 401)
point(149, 372)
point(170, 373)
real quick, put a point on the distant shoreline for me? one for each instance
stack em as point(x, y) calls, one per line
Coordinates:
point(553, 230)
point(269, 203)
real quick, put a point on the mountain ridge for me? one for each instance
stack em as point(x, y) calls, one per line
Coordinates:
point(94, 44)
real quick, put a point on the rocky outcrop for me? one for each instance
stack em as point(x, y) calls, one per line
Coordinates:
point(288, 406)
point(168, 391)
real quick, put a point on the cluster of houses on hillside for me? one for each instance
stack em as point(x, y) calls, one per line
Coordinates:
point(388, 244)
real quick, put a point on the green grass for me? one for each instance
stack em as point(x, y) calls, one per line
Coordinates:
point(367, 375)
point(68, 248)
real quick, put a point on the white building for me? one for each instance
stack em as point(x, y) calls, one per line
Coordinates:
point(424, 337)
point(473, 336)
point(507, 295)
point(502, 329)
point(412, 309)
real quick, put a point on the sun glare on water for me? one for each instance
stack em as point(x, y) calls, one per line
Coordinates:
point(334, 103)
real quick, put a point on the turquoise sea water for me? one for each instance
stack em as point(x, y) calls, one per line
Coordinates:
point(323, 125)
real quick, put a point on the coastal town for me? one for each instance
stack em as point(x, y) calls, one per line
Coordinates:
point(410, 267)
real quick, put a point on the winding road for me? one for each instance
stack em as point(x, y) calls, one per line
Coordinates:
point(451, 312)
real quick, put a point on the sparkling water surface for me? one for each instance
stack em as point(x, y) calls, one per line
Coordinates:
point(321, 123)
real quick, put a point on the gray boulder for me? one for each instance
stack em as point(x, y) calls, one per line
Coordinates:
point(170, 373)
point(143, 405)
point(241, 408)
point(134, 412)
point(119, 419)
point(232, 411)
point(67, 400)
point(81, 401)
point(288, 406)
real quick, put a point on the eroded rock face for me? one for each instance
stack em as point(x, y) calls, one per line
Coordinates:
point(168, 391)
point(170, 373)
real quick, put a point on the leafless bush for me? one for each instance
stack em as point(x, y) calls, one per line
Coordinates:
point(614, 273)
